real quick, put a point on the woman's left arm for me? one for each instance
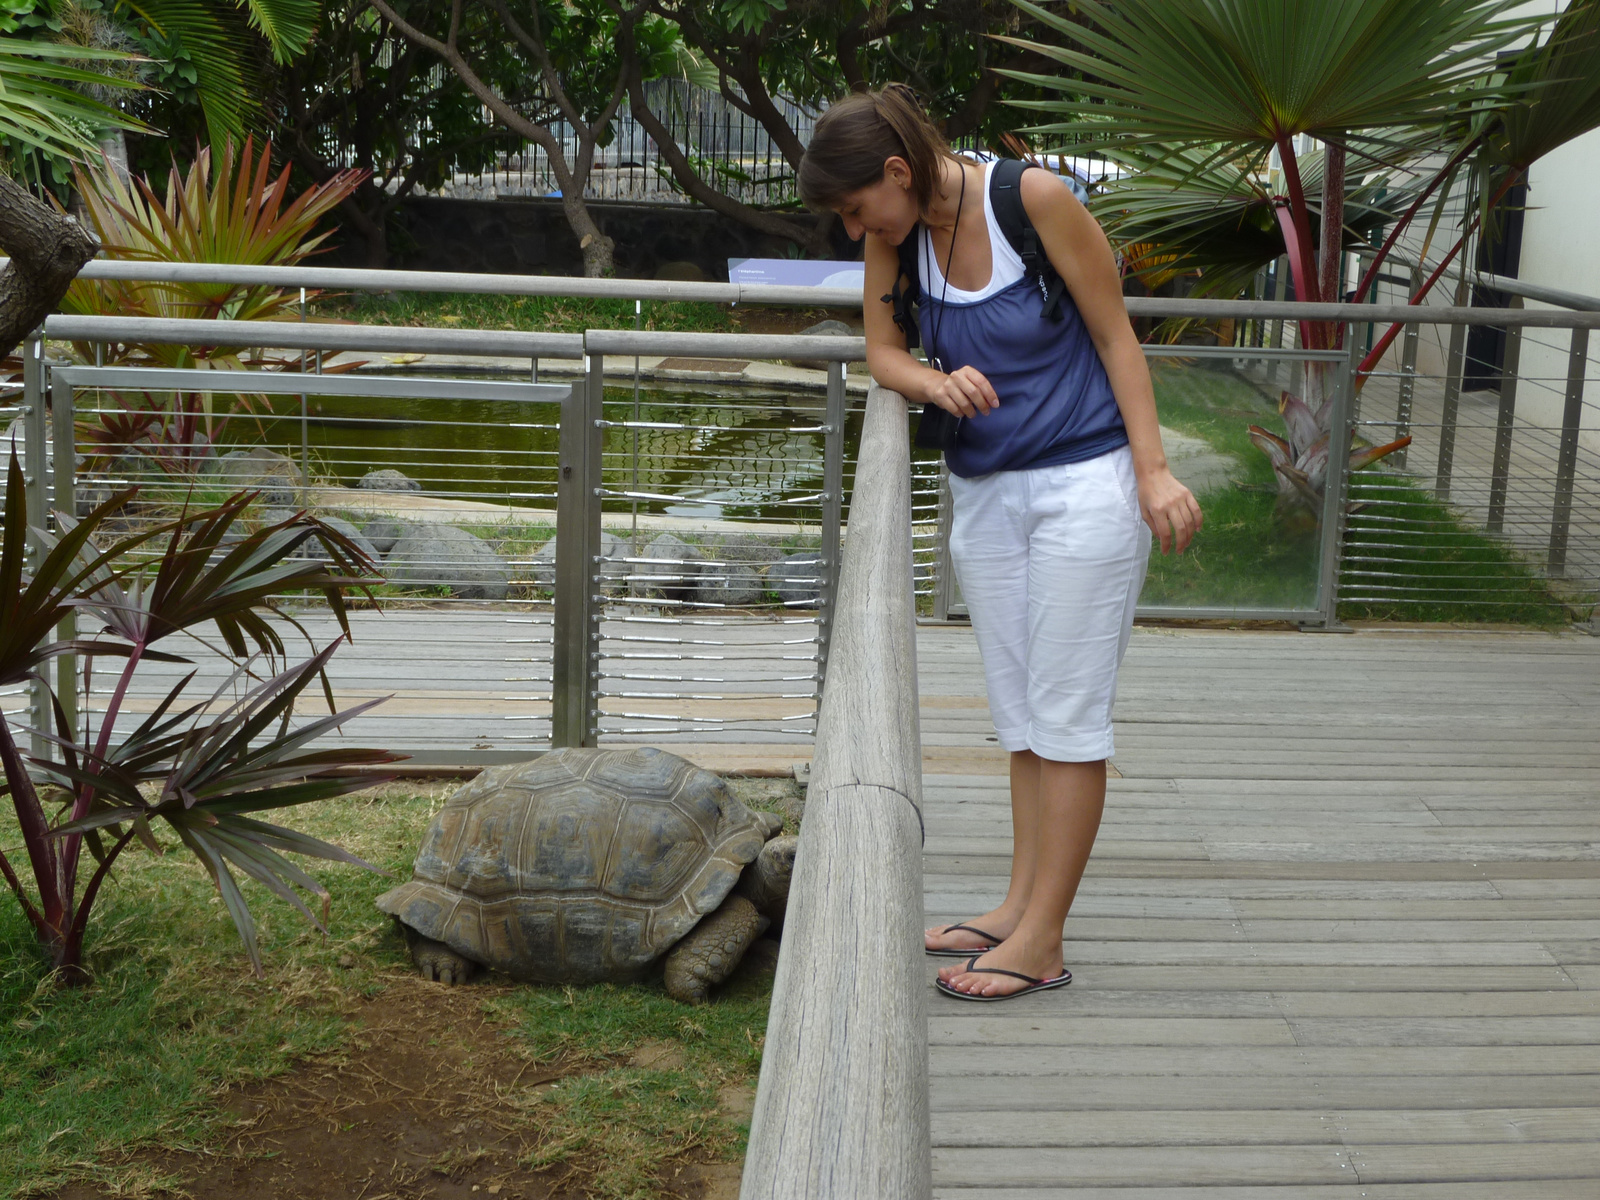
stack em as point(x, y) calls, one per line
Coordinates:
point(1079, 250)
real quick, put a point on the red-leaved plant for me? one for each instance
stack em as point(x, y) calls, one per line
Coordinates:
point(199, 771)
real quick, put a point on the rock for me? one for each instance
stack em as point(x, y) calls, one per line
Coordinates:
point(733, 573)
point(258, 469)
point(443, 554)
point(672, 572)
point(613, 550)
point(681, 272)
point(388, 480)
point(822, 329)
point(384, 532)
point(798, 578)
point(828, 329)
point(313, 548)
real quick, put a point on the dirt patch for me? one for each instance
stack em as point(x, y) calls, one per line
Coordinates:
point(419, 1103)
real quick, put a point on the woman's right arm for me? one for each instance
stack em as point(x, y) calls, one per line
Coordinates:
point(964, 392)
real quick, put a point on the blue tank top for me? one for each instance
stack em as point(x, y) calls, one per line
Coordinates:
point(1056, 403)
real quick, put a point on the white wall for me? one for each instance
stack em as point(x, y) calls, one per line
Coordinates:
point(1561, 249)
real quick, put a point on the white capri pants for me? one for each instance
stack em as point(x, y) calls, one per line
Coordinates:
point(1050, 562)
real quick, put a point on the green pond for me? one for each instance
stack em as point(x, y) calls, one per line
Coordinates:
point(749, 454)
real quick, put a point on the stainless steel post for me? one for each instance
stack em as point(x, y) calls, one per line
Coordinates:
point(574, 698)
point(1454, 367)
point(1567, 458)
point(832, 514)
point(1280, 291)
point(64, 486)
point(944, 569)
point(35, 485)
point(1408, 376)
point(1336, 490)
point(1505, 426)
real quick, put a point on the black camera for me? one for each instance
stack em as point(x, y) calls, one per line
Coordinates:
point(937, 429)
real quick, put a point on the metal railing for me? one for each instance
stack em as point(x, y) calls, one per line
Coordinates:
point(599, 621)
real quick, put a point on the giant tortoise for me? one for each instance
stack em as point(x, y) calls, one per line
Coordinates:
point(589, 865)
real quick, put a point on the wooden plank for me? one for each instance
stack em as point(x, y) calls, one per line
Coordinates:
point(1244, 1127)
point(1125, 1061)
point(1117, 1166)
point(1457, 1031)
point(1089, 1093)
point(1526, 1189)
point(985, 1030)
point(843, 1089)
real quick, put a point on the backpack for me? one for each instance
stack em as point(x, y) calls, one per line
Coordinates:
point(1005, 194)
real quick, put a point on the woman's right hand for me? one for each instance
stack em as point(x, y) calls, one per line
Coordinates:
point(964, 392)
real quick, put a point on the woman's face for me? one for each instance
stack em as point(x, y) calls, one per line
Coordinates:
point(887, 209)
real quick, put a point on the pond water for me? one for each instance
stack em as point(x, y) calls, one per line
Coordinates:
point(730, 453)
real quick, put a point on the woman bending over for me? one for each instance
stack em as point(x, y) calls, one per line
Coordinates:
point(1056, 470)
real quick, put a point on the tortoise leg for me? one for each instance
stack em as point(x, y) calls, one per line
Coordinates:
point(436, 961)
point(710, 951)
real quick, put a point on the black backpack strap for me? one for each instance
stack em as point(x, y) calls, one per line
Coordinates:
point(1005, 194)
point(907, 291)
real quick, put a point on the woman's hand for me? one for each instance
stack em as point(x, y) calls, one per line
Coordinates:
point(964, 392)
point(1170, 509)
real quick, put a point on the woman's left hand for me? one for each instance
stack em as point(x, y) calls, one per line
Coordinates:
point(1170, 510)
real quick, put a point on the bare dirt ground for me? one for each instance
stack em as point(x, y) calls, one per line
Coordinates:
point(416, 1105)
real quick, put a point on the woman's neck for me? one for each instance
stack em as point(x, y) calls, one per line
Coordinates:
point(942, 211)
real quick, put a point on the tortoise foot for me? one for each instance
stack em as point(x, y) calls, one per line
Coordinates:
point(437, 962)
point(711, 950)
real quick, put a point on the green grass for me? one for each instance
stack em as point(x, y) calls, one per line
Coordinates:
point(1458, 574)
point(175, 1014)
point(622, 1121)
point(543, 314)
point(137, 1060)
point(1253, 554)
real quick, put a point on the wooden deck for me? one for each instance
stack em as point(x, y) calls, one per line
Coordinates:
point(1340, 935)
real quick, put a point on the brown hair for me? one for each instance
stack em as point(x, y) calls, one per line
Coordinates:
point(857, 134)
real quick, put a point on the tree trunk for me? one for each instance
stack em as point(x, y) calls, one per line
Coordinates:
point(1329, 270)
point(47, 251)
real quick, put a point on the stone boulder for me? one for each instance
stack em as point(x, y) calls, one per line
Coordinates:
point(613, 569)
point(828, 328)
point(384, 532)
point(672, 572)
point(798, 578)
point(732, 573)
point(442, 554)
point(313, 548)
point(388, 480)
point(257, 469)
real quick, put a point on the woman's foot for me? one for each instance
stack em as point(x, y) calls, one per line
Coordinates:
point(969, 935)
point(1039, 959)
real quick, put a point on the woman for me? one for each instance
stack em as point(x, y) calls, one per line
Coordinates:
point(1056, 470)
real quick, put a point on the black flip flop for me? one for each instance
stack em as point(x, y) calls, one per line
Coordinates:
point(1034, 985)
point(965, 951)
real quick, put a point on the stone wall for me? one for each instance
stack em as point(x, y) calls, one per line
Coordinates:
point(532, 237)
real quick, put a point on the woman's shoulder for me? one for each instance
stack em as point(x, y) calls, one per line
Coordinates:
point(1046, 195)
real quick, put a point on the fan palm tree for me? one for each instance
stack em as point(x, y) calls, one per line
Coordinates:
point(1212, 98)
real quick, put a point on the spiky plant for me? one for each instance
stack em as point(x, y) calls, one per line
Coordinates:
point(200, 773)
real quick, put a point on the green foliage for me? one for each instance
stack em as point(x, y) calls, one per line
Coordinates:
point(199, 772)
point(553, 314)
point(47, 112)
point(228, 210)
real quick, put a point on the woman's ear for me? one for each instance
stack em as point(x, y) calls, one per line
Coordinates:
point(898, 171)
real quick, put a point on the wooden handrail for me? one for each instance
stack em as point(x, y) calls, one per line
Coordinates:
point(842, 1105)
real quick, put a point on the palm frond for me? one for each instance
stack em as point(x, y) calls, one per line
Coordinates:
point(41, 104)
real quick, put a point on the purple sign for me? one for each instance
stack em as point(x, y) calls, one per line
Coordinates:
point(797, 272)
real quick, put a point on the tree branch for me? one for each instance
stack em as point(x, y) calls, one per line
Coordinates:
point(47, 251)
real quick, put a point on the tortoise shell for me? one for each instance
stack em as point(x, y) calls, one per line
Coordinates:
point(580, 866)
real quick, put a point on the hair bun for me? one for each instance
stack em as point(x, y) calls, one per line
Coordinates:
point(905, 92)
